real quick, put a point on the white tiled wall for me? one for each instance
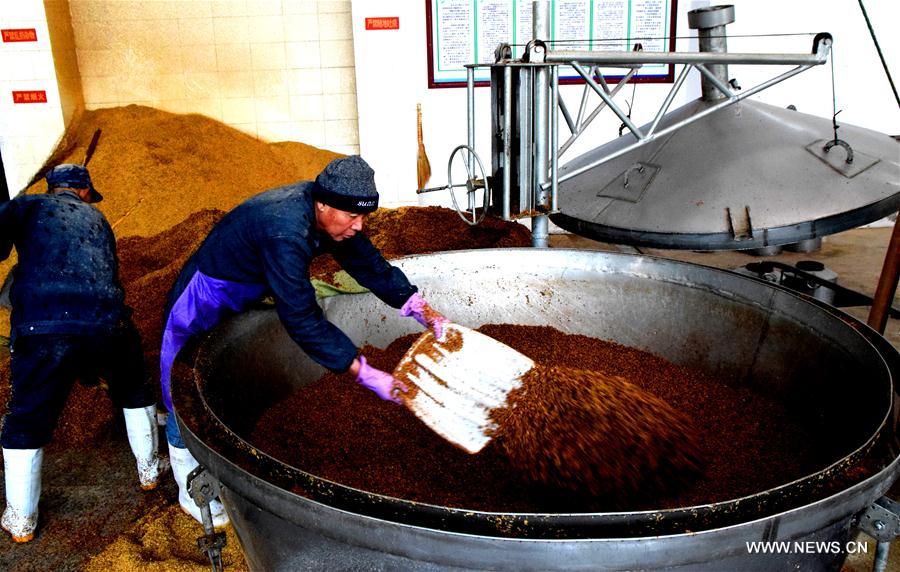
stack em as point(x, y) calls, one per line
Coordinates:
point(28, 131)
point(276, 69)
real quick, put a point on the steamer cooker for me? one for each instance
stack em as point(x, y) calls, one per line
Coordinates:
point(832, 372)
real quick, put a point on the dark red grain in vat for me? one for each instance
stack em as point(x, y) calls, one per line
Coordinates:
point(595, 433)
point(338, 430)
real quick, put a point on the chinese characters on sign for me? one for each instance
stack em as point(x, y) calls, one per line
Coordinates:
point(19, 35)
point(388, 23)
point(35, 96)
point(464, 32)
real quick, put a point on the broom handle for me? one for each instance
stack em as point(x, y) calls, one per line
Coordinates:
point(419, 120)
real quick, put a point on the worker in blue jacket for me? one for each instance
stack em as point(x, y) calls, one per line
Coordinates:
point(69, 321)
point(264, 247)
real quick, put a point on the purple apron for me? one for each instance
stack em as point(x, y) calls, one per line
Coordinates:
point(200, 307)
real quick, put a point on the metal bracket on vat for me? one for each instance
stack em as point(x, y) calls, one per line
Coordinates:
point(739, 223)
point(849, 165)
point(881, 521)
point(843, 297)
point(632, 183)
point(204, 488)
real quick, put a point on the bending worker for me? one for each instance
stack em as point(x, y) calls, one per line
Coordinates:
point(264, 247)
point(69, 321)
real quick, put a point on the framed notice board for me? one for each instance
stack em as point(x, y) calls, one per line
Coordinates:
point(464, 32)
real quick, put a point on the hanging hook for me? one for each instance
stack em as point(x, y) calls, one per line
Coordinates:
point(639, 167)
point(838, 142)
point(835, 127)
point(828, 146)
point(628, 115)
point(638, 47)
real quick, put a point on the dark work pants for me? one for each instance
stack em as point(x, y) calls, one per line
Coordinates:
point(44, 368)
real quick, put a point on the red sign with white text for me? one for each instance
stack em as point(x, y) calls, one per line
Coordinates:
point(383, 23)
point(19, 35)
point(35, 96)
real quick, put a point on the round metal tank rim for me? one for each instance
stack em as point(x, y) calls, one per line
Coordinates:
point(762, 237)
point(660, 522)
point(873, 487)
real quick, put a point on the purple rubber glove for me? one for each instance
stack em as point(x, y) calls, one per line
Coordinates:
point(419, 309)
point(385, 385)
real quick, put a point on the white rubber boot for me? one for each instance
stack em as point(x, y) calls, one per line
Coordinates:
point(143, 436)
point(182, 465)
point(23, 490)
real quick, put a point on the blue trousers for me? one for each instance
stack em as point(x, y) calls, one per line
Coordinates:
point(44, 368)
point(173, 434)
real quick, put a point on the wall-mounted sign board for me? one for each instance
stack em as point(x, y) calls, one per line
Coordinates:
point(383, 23)
point(19, 35)
point(30, 96)
point(464, 32)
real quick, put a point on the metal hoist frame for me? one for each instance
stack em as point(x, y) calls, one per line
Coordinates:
point(525, 110)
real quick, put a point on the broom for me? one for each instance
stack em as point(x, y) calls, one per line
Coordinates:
point(423, 167)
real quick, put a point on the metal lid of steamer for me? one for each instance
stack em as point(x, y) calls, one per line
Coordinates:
point(747, 176)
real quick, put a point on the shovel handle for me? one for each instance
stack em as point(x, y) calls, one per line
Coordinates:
point(92, 146)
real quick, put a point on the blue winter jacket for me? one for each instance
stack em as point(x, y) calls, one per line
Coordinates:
point(66, 281)
point(267, 244)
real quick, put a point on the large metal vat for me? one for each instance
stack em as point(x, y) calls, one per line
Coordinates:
point(833, 372)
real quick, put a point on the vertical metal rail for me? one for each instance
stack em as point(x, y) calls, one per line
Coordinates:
point(470, 168)
point(540, 224)
point(507, 140)
point(554, 139)
point(525, 119)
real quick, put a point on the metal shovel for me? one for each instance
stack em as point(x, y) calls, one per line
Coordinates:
point(454, 382)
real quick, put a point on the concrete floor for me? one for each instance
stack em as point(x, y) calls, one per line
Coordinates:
point(94, 488)
point(90, 497)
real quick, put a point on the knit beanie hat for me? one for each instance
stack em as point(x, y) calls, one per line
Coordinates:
point(71, 176)
point(347, 184)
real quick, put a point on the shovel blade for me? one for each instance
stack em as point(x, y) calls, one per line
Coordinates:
point(456, 381)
